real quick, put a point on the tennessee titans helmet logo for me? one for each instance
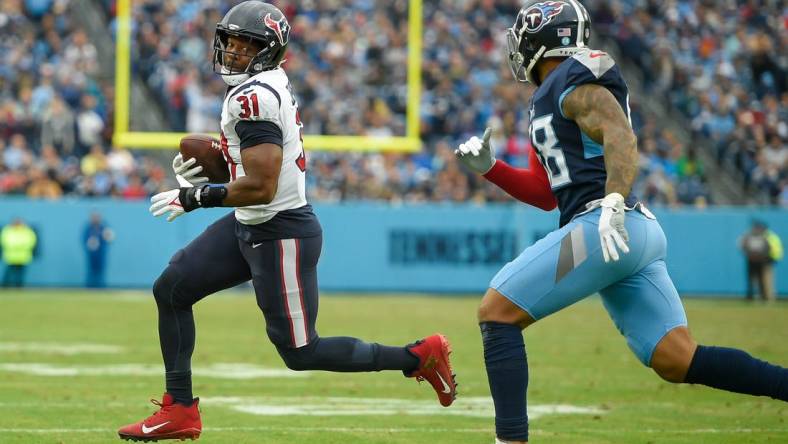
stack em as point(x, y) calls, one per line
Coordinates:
point(280, 27)
point(540, 14)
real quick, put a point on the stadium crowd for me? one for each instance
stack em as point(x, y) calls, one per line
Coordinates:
point(348, 63)
point(723, 65)
point(55, 113)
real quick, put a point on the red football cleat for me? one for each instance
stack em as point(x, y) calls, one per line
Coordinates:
point(434, 366)
point(172, 421)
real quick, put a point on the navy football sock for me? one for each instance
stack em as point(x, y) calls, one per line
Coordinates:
point(736, 371)
point(176, 336)
point(345, 354)
point(396, 358)
point(507, 373)
point(179, 385)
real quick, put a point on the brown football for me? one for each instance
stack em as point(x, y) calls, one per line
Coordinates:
point(208, 152)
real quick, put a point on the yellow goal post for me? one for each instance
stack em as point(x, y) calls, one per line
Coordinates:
point(411, 142)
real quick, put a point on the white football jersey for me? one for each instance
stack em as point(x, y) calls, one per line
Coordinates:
point(266, 97)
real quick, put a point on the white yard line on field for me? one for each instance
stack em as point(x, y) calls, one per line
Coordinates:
point(218, 371)
point(476, 430)
point(400, 430)
point(480, 407)
point(59, 348)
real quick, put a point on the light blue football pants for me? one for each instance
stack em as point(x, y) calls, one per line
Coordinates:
point(567, 266)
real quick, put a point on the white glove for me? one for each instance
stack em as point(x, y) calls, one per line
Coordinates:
point(612, 233)
point(477, 154)
point(168, 201)
point(185, 174)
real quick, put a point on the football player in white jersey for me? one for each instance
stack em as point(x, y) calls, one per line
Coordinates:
point(273, 238)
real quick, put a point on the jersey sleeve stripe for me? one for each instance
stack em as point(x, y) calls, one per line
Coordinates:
point(591, 148)
point(273, 91)
point(562, 97)
point(246, 86)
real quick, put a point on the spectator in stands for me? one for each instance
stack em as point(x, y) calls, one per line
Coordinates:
point(96, 238)
point(57, 128)
point(762, 248)
point(42, 185)
point(18, 241)
point(90, 125)
point(94, 162)
point(135, 189)
point(49, 160)
point(717, 62)
point(720, 66)
point(37, 8)
point(16, 155)
point(80, 55)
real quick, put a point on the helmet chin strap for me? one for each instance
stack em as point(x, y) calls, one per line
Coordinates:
point(543, 53)
point(233, 79)
point(532, 64)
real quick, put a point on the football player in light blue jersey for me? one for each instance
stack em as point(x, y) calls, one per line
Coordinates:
point(607, 241)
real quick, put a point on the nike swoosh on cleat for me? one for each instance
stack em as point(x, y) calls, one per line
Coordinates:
point(446, 388)
point(147, 430)
point(256, 245)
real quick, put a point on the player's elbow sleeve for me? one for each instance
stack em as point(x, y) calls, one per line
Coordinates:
point(548, 205)
point(542, 197)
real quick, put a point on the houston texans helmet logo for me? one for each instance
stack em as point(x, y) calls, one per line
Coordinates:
point(540, 14)
point(280, 27)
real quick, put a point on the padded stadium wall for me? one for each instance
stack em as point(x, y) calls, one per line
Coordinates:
point(382, 248)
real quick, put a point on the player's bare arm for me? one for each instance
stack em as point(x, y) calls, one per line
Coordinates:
point(262, 164)
point(599, 115)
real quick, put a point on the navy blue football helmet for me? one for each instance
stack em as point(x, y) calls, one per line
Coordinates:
point(546, 29)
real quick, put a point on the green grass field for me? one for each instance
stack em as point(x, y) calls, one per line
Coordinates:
point(74, 366)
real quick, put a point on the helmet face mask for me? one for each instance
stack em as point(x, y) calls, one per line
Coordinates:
point(231, 72)
point(258, 23)
point(514, 56)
